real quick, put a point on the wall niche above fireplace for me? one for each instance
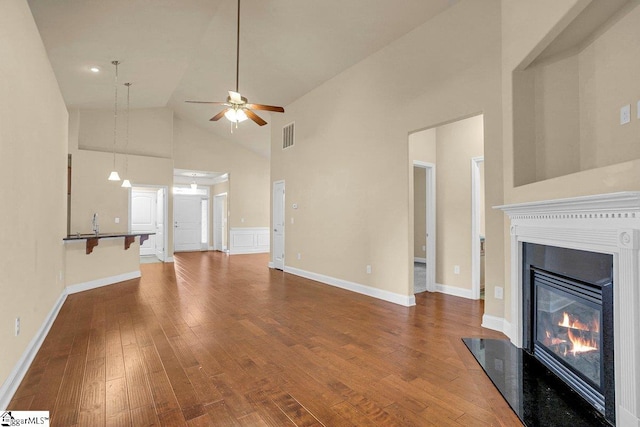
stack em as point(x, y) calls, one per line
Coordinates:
point(568, 96)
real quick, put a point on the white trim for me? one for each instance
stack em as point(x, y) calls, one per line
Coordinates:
point(11, 384)
point(454, 291)
point(404, 300)
point(420, 260)
point(169, 259)
point(98, 283)
point(249, 240)
point(271, 265)
point(475, 226)
point(430, 176)
point(496, 324)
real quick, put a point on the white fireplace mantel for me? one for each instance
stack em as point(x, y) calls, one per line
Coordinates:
point(607, 223)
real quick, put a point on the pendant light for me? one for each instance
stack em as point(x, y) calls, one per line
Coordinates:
point(114, 173)
point(126, 183)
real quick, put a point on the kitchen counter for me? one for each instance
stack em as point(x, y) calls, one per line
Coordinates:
point(93, 239)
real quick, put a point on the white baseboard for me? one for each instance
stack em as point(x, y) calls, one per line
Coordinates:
point(454, 291)
point(271, 264)
point(20, 369)
point(496, 324)
point(403, 300)
point(80, 287)
point(420, 260)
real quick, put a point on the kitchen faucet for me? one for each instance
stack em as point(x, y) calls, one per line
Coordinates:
point(94, 222)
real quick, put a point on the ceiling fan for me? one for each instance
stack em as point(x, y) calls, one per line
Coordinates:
point(237, 108)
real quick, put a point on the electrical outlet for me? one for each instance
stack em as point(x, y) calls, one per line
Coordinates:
point(17, 326)
point(456, 269)
point(368, 269)
point(498, 292)
point(117, 220)
point(625, 114)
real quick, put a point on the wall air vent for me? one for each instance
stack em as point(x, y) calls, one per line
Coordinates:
point(288, 136)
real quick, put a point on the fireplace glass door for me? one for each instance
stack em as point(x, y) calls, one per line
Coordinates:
point(568, 333)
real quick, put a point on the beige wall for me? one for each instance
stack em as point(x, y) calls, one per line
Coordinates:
point(349, 171)
point(33, 163)
point(527, 29)
point(150, 131)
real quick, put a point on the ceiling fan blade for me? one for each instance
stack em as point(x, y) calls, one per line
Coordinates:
point(265, 107)
point(256, 118)
point(218, 116)
point(207, 102)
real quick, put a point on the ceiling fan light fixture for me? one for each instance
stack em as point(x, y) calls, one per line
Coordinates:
point(235, 116)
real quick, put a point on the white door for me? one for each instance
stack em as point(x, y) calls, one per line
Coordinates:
point(278, 225)
point(187, 223)
point(219, 222)
point(143, 217)
point(160, 199)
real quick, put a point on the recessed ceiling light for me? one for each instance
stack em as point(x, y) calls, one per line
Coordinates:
point(94, 69)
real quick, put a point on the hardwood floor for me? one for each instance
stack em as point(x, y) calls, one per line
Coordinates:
point(226, 341)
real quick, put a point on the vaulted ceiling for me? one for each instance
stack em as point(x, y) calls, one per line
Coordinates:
point(177, 50)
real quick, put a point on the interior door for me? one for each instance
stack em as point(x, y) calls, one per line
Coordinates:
point(159, 246)
point(278, 225)
point(219, 222)
point(143, 217)
point(187, 223)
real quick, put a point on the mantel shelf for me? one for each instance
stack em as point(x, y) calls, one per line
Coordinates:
point(93, 239)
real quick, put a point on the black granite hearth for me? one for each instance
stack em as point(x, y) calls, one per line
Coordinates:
point(535, 394)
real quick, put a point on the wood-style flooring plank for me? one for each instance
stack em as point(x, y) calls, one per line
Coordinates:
point(225, 341)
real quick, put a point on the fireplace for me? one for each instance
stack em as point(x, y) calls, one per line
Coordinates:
point(568, 323)
point(580, 256)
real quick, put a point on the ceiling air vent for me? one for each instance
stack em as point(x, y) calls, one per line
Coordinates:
point(288, 135)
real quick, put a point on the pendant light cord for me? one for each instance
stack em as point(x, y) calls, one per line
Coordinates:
point(126, 141)
point(115, 115)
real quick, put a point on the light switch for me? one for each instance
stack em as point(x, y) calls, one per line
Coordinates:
point(625, 114)
point(117, 220)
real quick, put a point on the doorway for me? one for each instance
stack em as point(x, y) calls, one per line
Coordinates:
point(424, 227)
point(278, 221)
point(147, 213)
point(190, 220)
point(220, 222)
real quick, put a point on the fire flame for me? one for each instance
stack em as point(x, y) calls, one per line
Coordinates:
point(580, 344)
point(567, 322)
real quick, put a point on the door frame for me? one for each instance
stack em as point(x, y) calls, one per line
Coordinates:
point(217, 200)
point(272, 263)
point(430, 176)
point(475, 226)
point(165, 209)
